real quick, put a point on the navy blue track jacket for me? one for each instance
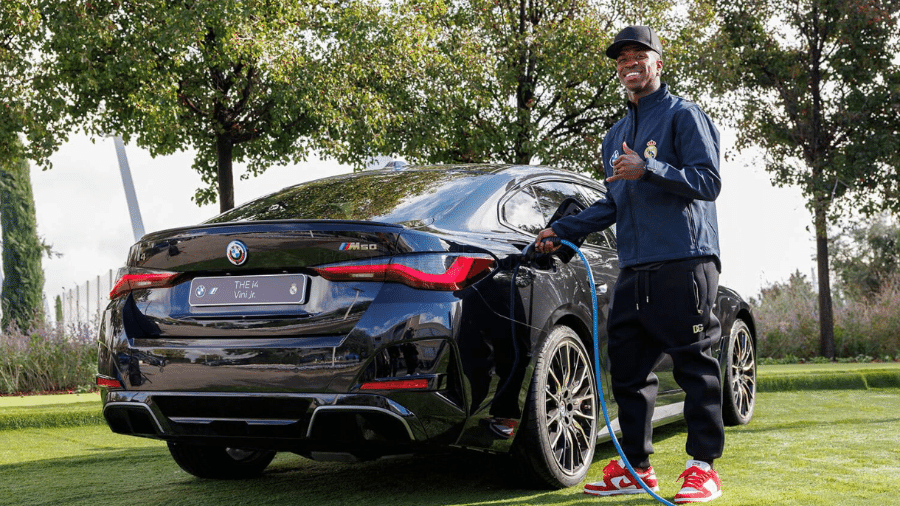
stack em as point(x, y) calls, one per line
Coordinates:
point(670, 213)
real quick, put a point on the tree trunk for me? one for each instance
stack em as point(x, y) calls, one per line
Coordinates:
point(224, 153)
point(826, 313)
point(523, 148)
point(524, 91)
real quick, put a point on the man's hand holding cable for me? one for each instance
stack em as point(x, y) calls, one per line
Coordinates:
point(542, 246)
point(629, 166)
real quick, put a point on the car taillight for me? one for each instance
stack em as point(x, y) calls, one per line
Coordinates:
point(137, 281)
point(411, 384)
point(106, 381)
point(426, 272)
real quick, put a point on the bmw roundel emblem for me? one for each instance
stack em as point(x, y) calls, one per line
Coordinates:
point(236, 252)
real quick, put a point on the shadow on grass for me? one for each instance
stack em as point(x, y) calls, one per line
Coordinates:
point(150, 476)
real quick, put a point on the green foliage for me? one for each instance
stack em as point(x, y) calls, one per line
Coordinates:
point(866, 256)
point(58, 309)
point(251, 81)
point(524, 82)
point(816, 83)
point(23, 282)
point(47, 358)
point(29, 103)
point(866, 328)
point(787, 318)
point(870, 325)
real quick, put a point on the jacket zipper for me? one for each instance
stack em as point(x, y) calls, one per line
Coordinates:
point(630, 186)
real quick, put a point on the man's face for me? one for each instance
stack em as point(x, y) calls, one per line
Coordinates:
point(638, 69)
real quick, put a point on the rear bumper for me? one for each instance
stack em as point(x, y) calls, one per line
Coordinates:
point(261, 384)
point(356, 425)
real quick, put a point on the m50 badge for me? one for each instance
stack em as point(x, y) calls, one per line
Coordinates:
point(357, 246)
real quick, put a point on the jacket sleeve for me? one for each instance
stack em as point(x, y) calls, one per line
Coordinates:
point(598, 217)
point(697, 145)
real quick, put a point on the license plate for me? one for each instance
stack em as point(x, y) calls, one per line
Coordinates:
point(249, 290)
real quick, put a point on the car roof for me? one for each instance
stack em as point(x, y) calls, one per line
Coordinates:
point(455, 192)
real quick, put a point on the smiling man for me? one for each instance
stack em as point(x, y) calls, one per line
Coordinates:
point(661, 163)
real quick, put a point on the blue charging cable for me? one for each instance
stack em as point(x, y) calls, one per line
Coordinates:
point(596, 333)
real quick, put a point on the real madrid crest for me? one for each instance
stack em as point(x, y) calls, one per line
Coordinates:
point(651, 151)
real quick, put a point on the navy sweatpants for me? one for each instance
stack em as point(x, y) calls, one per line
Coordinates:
point(666, 308)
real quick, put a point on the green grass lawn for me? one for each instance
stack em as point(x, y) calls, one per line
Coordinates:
point(830, 376)
point(802, 448)
point(19, 412)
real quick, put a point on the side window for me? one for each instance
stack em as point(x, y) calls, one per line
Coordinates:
point(551, 194)
point(605, 238)
point(523, 212)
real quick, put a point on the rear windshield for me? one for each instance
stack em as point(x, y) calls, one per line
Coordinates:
point(385, 196)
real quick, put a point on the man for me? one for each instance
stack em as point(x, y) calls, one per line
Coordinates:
point(662, 174)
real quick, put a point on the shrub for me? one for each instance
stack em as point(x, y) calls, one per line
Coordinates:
point(47, 358)
point(787, 317)
point(870, 326)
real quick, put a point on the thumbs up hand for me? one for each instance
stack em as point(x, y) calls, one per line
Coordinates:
point(629, 166)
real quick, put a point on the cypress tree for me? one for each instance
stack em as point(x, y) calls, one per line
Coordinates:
point(23, 281)
point(59, 310)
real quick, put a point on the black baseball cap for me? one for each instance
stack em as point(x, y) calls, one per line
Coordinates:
point(643, 35)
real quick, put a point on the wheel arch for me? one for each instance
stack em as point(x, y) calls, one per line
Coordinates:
point(745, 315)
point(580, 327)
point(565, 316)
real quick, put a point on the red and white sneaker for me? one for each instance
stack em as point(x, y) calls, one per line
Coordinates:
point(618, 480)
point(701, 483)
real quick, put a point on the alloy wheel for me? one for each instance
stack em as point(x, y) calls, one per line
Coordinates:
point(570, 407)
point(741, 375)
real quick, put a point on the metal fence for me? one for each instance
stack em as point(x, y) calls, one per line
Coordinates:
point(84, 304)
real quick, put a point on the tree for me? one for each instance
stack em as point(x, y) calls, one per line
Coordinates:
point(23, 277)
point(30, 107)
point(255, 81)
point(866, 256)
point(815, 82)
point(58, 310)
point(524, 81)
point(29, 103)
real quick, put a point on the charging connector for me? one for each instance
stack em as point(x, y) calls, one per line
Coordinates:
point(529, 253)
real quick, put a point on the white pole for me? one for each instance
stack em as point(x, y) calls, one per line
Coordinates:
point(99, 307)
point(137, 224)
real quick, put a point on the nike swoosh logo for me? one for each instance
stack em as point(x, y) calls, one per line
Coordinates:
point(622, 482)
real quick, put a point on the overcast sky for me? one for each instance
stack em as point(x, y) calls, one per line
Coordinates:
point(82, 212)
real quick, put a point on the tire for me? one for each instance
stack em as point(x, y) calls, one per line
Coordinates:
point(220, 463)
point(739, 381)
point(555, 447)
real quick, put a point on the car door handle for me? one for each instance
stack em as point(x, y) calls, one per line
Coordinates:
point(601, 289)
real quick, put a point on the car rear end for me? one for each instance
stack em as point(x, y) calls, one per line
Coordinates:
point(329, 338)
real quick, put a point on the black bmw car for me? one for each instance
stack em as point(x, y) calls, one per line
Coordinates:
point(380, 313)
